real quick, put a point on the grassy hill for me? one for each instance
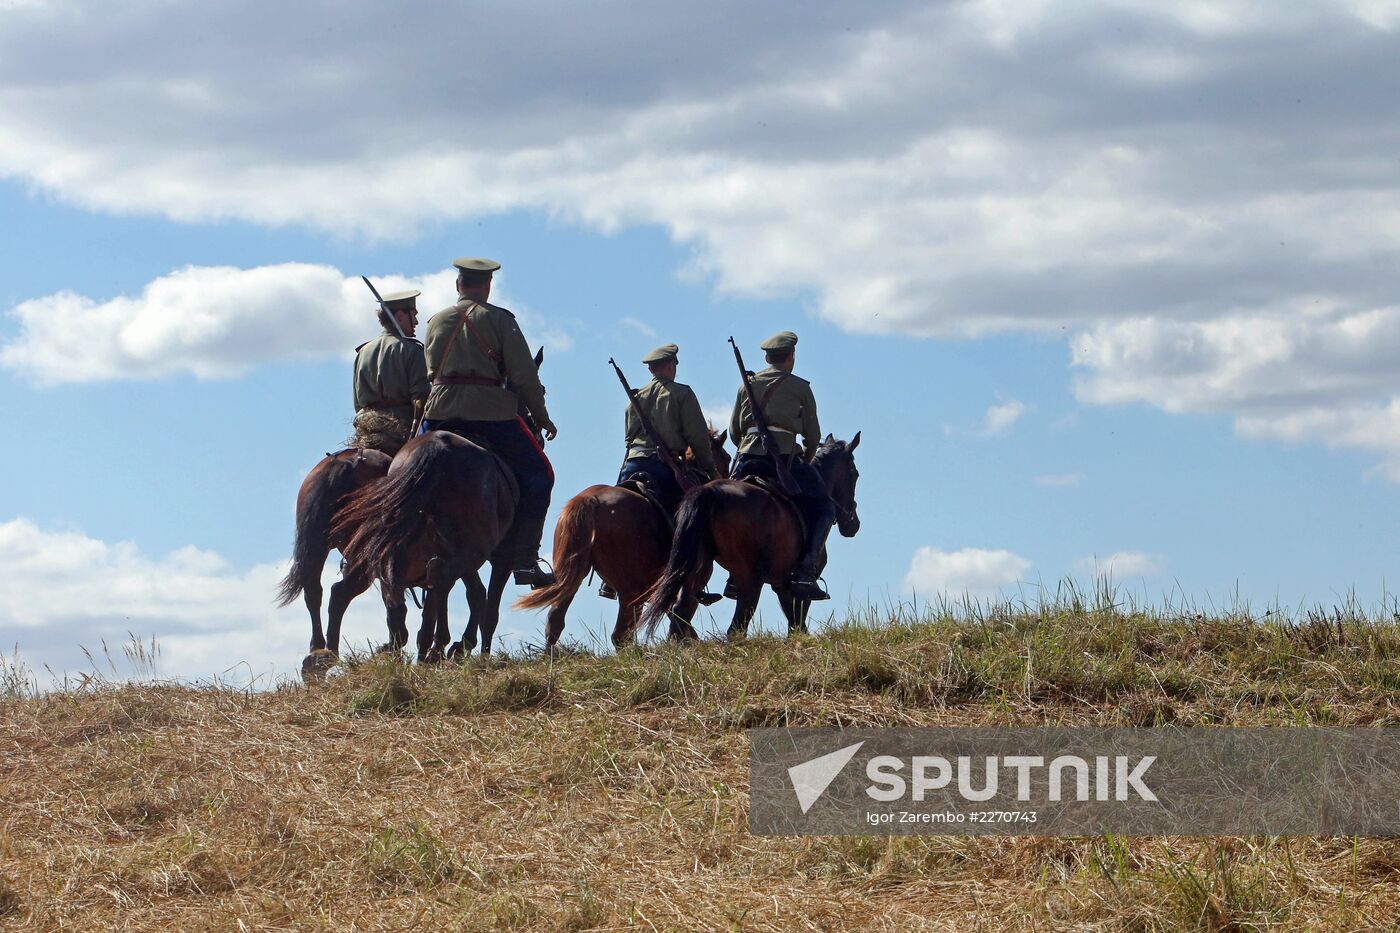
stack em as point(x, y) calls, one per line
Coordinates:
point(610, 792)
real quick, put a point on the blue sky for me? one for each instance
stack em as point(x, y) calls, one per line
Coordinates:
point(1066, 328)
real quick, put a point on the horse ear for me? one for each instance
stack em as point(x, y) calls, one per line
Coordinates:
point(855, 442)
point(539, 357)
point(723, 436)
point(828, 439)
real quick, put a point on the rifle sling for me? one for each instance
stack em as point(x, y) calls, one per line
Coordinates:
point(491, 352)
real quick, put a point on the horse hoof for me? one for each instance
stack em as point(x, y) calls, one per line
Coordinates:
point(456, 652)
point(315, 665)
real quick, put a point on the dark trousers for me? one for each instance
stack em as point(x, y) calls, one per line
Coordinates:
point(657, 475)
point(812, 498)
point(513, 443)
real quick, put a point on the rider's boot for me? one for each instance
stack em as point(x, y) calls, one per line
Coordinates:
point(606, 591)
point(804, 583)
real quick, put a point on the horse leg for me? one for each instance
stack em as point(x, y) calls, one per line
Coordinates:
point(475, 597)
point(342, 592)
point(744, 607)
point(311, 593)
point(434, 607)
point(629, 614)
point(396, 618)
point(681, 628)
point(796, 612)
point(495, 589)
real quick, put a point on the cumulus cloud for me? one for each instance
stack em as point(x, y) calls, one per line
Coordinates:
point(1002, 416)
point(213, 322)
point(987, 166)
point(1315, 372)
point(61, 591)
point(975, 571)
point(1140, 171)
point(1120, 564)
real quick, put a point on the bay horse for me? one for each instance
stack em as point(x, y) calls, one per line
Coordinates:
point(325, 488)
point(621, 535)
point(753, 534)
point(436, 517)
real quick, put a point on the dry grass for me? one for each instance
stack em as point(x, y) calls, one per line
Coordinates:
point(611, 792)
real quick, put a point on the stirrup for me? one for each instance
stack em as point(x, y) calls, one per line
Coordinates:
point(533, 575)
point(607, 592)
point(810, 590)
point(730, 590)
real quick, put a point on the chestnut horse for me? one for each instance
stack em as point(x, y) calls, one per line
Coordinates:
point(624, 537)
point(753, 534)
point(441, 511)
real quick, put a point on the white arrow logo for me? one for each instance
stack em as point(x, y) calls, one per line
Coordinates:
point(811, 778)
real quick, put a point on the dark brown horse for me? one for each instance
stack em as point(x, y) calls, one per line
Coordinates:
point(439, 514)
point(624, 537)
point(325, 488)
point(753, 534)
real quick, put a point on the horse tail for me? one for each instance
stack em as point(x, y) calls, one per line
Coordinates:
point(315, 508)
point(573, 553)
point(385, 516)
point(690, 549)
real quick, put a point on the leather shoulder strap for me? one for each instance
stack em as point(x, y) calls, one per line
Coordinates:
point(465, 322)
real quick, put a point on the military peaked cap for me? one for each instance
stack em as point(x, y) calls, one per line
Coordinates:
point(667, 351)
point(782, 340)
point(402, 301)
point(474, 264)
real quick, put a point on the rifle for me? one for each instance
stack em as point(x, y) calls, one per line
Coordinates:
point(760, 423)
point(385, 308)
point(668, 458)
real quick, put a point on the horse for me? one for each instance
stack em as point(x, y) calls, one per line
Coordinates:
point(755, 535)
point(325, 488)
point(329, 483)
point(441, 511)
point(621, 535)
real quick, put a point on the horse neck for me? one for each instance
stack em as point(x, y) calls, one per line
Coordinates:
point(826, 469)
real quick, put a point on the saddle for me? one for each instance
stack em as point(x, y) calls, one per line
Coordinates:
point(775, 489)
point(643, 489)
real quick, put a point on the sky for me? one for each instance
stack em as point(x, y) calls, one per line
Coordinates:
point(1108, 288)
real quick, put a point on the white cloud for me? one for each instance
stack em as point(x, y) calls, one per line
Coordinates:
point(1120, 565)
point(1001, 416)
point(215, 321)
point(717, 414)
point(640, 327)
point(975, 571)
point(1314, 371)
point(63, 590)
point(1059, 479)
point(988, 166)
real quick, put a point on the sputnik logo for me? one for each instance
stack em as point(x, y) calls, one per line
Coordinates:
point(811, 778)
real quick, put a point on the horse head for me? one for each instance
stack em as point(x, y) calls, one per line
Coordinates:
point(722, 458)
point(835, 461)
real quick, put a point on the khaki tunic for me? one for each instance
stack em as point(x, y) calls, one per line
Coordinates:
point(390, 374)
point(674, 412)
point(466, 357)
point(791, 409)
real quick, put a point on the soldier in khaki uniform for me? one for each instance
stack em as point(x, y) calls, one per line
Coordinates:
point(391, 373)
point(675, 414)
point(791, 410)
point(474, 350)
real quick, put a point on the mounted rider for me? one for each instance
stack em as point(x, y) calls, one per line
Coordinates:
point(391, 375)
point(675, 415)
point(791, 410)
point(481, 370)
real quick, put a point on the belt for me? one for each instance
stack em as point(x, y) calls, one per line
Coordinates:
point(384, 405)
point(753, 432)
point(455, 380)
point(635, 452)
